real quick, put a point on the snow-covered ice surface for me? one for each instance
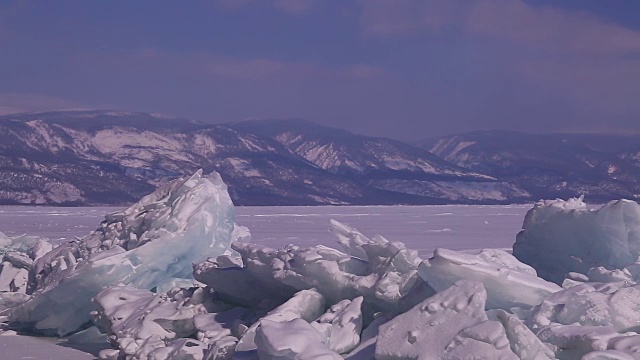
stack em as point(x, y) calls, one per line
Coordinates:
point(25, 347)
point(422, 228)
point(56, 223)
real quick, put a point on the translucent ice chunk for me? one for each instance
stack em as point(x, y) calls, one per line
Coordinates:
point(146, 245)
point(18, 255)
point(559, 237)
point(350, 239)
point(24, 244)
point(13, 278)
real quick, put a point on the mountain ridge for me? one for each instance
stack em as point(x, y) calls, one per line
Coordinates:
point(601, 166)
point(381, 162)
point(107, 157)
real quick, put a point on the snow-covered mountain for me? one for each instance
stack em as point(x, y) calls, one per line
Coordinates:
point(382, 163)
point(602, 167)
point(107, 157)
point(114, 157)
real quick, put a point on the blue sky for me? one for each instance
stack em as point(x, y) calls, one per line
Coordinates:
point(407, 69)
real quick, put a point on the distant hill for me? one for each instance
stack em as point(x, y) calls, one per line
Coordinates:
point(109, 157)
point(383, 163)
point(600, 166)
point(104, 157)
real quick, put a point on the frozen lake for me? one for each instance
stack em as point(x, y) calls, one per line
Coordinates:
point(423, 228)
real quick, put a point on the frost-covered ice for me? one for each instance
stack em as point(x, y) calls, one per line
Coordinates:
point(146, 245)
point(616, 305)
point(449, 325)
point(522, 340)
point(291, 340)
point(141, 323)
point(306, 305)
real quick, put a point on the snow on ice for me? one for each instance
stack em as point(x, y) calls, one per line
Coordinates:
point(508, 282)
point(164, 279)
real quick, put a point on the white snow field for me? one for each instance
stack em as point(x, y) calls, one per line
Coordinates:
point(422, 228)
point(178, 276)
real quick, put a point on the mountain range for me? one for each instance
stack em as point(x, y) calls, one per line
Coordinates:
point(103, 157)
point(600, 166)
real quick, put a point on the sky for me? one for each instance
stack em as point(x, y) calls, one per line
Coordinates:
point(406, 69)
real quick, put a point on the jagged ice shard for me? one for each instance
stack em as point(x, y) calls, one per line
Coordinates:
point(144, 246)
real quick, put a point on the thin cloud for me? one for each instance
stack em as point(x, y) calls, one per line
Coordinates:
point(601, 88)
point(224, 88)
point(404, 68)
point(545, 28)
point(589, 65)
point(389, 18)
point(206, 63)
point(548, 28)
point(11, 103)
point(292, 7)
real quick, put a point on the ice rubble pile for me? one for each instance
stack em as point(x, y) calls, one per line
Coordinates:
point(146, 245)
point(18, 256)
point(373, 299)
